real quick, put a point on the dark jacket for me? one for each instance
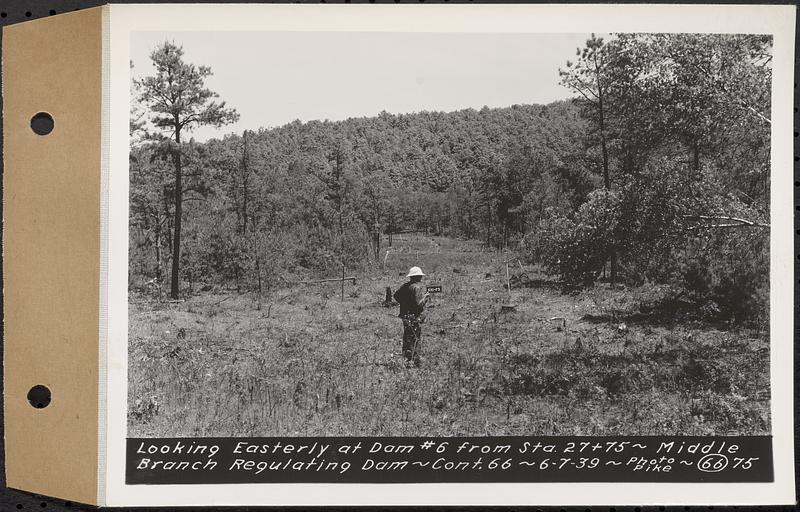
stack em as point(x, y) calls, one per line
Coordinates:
point(411, 297)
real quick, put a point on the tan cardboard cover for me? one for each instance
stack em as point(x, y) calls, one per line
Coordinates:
point(51, 249)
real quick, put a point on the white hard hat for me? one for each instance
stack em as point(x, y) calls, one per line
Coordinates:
point(415, 271)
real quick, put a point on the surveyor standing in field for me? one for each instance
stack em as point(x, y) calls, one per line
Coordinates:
point(412, 298)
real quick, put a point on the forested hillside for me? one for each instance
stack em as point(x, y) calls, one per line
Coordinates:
point(657, 172)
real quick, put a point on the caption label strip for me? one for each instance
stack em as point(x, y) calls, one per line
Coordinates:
point(448, 459)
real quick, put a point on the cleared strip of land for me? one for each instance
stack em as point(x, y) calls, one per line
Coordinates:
point(300, 361)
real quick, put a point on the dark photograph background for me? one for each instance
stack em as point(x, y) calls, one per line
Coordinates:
point(12, 11)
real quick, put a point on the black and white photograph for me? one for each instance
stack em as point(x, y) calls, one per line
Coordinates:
point(449, 234)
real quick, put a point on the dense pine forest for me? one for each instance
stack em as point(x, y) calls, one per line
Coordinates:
point(657, 173)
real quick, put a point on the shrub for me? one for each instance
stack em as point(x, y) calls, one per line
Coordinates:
point(667, 226)
point(577, 246)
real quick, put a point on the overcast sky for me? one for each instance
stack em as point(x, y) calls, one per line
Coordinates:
point(273, 78)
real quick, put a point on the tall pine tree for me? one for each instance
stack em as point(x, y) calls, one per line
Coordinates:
point(178, 102)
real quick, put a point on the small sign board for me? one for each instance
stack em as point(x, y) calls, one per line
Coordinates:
point(434, 288)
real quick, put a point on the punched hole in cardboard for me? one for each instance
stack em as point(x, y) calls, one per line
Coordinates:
point(39, 396)
point(42, 123)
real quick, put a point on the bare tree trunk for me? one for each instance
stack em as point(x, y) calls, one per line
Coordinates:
point(604, 148)
point(602, 118)
point(245, 183)
point(168, 218)
point(488, 225)
point(607, 183)
point(159, 277)
point(613, 267)
point(176, 240)
point(469, 222)
point(258, 272)
point(606, 175)
point(341, 201)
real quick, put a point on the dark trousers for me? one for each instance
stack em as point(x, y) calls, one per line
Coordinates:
point(412, 336)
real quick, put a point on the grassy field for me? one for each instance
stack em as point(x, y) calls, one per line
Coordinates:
point(300, 361)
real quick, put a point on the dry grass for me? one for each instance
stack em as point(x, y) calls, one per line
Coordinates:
point(299, 361)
